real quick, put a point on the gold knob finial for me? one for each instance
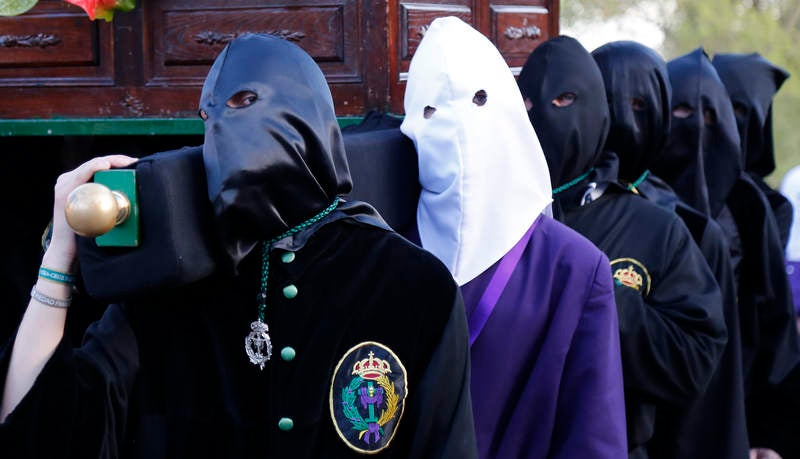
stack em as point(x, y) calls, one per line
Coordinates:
point(93, 209)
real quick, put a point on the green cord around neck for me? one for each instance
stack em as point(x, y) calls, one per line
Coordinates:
point(267, 246)
point(638, 181)
point(572, 182)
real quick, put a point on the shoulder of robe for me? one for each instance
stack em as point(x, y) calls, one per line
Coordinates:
point(652, 214)
point(409, 264)
point(566, 242)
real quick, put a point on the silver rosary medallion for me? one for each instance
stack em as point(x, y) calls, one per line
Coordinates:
point(257, 344)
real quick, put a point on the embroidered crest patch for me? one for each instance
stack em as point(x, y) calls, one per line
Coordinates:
point(631, 273)
point(367, 397)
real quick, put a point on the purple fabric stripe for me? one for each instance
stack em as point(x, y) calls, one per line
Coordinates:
point(477, 320)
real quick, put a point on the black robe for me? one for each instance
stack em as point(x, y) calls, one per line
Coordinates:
point(782, 209)
point(672, 330)
point(771, 353)
point(371, 350)
point(671, 338)
point(706, 148)
point(168, 376)
point(719, 413)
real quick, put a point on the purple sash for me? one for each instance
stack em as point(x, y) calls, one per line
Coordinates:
point(477, 320)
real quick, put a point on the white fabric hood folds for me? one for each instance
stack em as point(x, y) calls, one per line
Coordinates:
point(483, 174)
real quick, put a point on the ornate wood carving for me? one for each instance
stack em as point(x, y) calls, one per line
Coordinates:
point(526, 31)
point(133, 105)
point(212, 38)
point(416, 18)
point(152, 62)
point(40, 40)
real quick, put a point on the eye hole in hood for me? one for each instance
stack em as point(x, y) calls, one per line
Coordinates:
point(564, 99)
point(273, 152)
point(242, 99)
point(682, 111)
point(480, 98)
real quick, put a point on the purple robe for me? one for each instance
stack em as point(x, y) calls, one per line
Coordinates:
point(793, 272)
point(546, 368)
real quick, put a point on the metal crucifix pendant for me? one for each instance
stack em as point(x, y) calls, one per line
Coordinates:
point(257, 344)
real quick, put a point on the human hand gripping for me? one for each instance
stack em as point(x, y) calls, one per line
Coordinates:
point(60, 254)
point(42, 326)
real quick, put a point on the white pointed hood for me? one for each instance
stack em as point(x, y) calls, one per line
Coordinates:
point(483, 174)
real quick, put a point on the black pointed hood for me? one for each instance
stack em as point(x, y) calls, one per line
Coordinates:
point(572, 136)
point(638, 91)
point(702, 158)
point(752, 81)
point(279, 159)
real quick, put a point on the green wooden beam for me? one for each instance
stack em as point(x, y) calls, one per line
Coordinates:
point(114, 126)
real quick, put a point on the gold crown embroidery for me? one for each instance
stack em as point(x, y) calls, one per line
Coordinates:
point(629, 278)
point(631, 273)
point(371, 368)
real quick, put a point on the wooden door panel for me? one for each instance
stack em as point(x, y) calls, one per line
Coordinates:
point(185, 41)
point(517, 30)
point(151, 62)
point(55, 45)
point(516, 27)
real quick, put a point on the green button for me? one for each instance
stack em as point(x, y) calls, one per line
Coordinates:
point(288, 353)
point(285, 424)
point(290, 291)
point(287, 257)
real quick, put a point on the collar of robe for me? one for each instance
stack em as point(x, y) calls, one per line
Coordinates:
point(258, 345)
point(601, 180)
point(572, 182)
point(633, 186)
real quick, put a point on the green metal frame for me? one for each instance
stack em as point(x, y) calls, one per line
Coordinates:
point(115, 126)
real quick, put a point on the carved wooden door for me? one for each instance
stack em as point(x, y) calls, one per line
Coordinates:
point(151, 62)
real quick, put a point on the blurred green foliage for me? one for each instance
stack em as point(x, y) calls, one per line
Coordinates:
point(770, 27)
point(577, 10)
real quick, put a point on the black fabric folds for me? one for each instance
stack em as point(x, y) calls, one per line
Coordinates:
point(638, 91)
point(769, 336)
point(702, 158)
point(573, 134)
point(762, 218)
point(752, 81)
point(671, 337)
point(383, 165)
point(271, 165)
point(167, 376)
point(672, 331)
point(770, 347)
point(177, 243)
point(374, 120)
point(273, 150)
point(712, 424)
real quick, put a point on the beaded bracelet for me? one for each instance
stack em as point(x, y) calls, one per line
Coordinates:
point(49, 300)
point(56, 276)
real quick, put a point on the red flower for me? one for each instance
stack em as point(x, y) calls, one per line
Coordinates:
point(103, 9)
